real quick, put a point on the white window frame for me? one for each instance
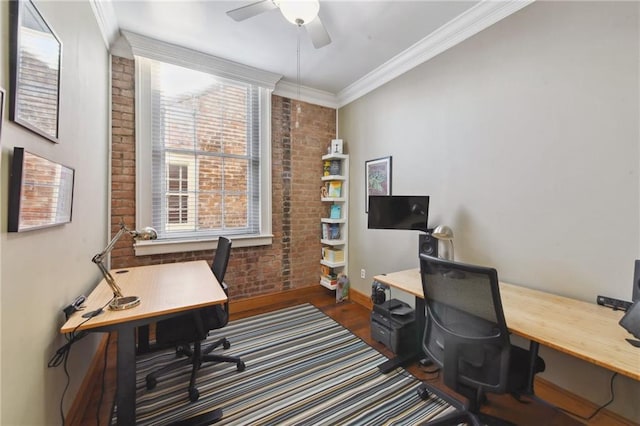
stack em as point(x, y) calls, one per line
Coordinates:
point(189, 162)
point(144, 48)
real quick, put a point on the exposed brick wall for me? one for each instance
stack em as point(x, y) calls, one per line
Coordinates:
point(292, 261)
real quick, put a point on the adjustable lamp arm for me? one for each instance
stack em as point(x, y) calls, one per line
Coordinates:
point(147, 233)
point(98, 258)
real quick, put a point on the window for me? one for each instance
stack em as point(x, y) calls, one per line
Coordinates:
point(180, 182)
point(203, 157)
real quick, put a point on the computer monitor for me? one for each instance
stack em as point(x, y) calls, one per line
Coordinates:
point(408, 212)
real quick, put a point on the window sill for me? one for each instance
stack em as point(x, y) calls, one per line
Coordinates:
point(147, 248)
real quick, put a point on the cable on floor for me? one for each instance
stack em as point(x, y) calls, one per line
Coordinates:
point(600, 408)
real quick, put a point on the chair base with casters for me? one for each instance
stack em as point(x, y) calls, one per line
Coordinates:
point(195, 357)
point(464, 416)
point(516, 387)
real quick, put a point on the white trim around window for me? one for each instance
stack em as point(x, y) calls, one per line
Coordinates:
point(144, 175)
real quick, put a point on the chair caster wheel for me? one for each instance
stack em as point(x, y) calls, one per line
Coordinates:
point(423, 393)
point(151, 383)
point(193, 394)
point(226, 344)
point(240, 366)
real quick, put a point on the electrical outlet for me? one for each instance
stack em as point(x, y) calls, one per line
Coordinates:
point(363, 274)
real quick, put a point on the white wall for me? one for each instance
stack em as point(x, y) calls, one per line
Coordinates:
point(526, 137)
point(42, 271)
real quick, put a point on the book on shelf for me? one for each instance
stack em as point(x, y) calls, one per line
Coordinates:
point(335, 188)
point(335, 167)
point(330, 231)
point(334, 231)
point(327, 271)
point(325, 231)
point(336, 211)
point(326, 168)
point(328, 281)
point(331, 255)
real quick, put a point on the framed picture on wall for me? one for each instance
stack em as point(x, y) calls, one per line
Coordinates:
point(377, 178)
point(1, 110)
point(34, 71)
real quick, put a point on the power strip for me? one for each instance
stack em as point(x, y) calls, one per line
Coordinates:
point(615, 304)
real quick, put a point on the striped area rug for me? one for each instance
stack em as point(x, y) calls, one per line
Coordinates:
point(303, 368)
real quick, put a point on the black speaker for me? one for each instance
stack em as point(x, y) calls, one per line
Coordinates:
point(636, 282)
point(428, 245)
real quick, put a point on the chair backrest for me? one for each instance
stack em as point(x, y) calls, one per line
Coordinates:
point(221, 258)
point(217, 316)
point(465, 333)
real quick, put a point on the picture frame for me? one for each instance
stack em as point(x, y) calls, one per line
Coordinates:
point(1, 110)
point(377, 178)
point(34, 70)
point(40, 192)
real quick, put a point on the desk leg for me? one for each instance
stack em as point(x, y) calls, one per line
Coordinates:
point(126, 390)
point(421, 321)
point(533, 355)
point(143, 339)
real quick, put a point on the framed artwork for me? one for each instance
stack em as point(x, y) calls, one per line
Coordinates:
point(1, 109)
point(377, 178)
point(34, 67)
point(40, 192)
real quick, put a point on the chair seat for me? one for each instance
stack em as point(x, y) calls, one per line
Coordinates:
point(184, 328)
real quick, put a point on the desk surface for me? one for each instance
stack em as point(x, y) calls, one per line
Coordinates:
point(163, 289)
point(584, 330)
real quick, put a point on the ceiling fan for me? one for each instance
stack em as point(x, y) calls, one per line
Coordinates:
point(298, 12)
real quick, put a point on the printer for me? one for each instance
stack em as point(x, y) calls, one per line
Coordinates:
point(393, 323)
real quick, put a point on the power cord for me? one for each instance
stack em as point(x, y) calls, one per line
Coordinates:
point(606, 404)
point(62, 354)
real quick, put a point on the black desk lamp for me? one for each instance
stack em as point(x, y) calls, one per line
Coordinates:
point(119, 301)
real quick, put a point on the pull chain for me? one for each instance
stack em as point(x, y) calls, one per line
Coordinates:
point(298, 109)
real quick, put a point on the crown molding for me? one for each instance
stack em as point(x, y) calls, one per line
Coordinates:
point(182, 56)
point(307, 94)
point(476, 19)
point(106, 19)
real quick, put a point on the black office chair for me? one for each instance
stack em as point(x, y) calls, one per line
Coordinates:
point(466, 336)
point(193, 328)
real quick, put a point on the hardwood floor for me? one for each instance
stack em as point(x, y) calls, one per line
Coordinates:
point(354, 317)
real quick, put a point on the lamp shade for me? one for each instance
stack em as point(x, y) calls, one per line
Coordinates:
point(299, 12)
point(147, 233)
point(443, 232)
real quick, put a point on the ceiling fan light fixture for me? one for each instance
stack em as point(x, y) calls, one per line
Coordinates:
point(299, 12)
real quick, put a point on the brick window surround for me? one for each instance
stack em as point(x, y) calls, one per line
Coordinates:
point(291, 261)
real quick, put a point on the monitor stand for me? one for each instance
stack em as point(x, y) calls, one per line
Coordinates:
point(635, 343)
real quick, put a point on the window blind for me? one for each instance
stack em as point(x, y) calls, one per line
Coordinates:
point(205, 153)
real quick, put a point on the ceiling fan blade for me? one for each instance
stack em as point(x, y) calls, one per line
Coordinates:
point(250, 10)
point(318, 33)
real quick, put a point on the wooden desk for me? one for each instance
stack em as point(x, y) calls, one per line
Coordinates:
point(165, 290)
point(585, 330)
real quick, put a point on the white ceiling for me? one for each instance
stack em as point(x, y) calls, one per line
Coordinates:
point(372, 41)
